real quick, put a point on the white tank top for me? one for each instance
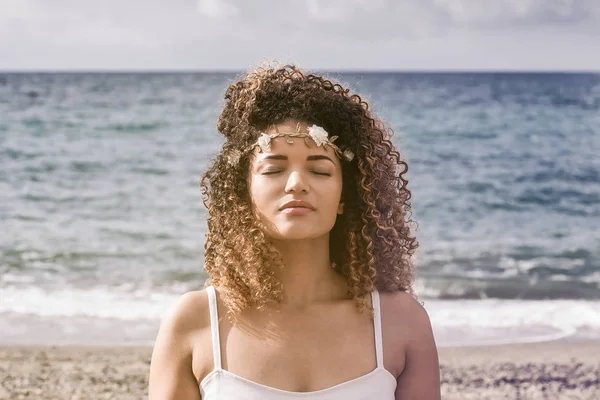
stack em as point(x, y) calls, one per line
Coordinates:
point(220, 384)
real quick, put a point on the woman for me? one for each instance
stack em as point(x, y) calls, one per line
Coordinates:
point(309, 257)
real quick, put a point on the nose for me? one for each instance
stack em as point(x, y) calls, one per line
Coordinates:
point(296, 182)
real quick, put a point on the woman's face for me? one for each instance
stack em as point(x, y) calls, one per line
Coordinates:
point(295, 172)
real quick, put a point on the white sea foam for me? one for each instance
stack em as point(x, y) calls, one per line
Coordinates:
point(493, 321)
point(96, 303)
point(455, 322)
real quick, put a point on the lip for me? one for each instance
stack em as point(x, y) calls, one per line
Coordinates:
point(296, 211)
point(297, 204)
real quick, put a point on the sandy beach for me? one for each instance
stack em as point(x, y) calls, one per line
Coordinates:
point(552, 370)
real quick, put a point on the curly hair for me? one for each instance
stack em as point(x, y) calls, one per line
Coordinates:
point(371, 243)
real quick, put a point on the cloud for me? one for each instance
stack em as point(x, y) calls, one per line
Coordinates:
point(64, 23)
point(326, 33)
point(216, 8)
point(506, 13)
point(14, 9)
point(363, 20)
point(339, 10)
point(424, 18)
point(366, 20)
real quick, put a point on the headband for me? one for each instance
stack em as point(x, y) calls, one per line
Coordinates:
point(314, 134)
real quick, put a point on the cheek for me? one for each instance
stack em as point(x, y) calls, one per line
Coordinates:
point(259, 193)
point(253, 190)
point(333, 196)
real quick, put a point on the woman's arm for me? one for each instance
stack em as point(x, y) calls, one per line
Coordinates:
point(171, 375)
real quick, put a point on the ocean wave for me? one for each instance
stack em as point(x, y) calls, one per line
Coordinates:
point(532, 287)
point(69, 315)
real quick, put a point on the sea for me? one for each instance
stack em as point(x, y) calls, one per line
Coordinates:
point(102, 225)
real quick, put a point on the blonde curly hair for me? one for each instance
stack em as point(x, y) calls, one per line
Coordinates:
point(371, 243)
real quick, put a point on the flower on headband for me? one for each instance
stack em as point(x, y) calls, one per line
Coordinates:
point(348, 155)
point(264, 141)
point(318, 134)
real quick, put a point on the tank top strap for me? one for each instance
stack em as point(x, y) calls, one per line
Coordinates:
point(214, 326)
point(377, 326)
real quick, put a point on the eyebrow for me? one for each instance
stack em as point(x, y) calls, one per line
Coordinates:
point(285, 158)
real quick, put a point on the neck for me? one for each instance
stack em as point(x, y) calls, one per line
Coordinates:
point(307, 276)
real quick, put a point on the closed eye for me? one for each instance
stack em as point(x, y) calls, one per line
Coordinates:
point(314, 172)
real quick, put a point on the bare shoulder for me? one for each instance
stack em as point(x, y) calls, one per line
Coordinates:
point(171, 369)
point(188, 318)
point(405, 324)
point(404, 312)
point(189, 314)
point(408, 335)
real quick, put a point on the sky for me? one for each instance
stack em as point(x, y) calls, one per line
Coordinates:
point(431, 35)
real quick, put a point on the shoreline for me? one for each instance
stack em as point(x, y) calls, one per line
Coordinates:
point(545, 370)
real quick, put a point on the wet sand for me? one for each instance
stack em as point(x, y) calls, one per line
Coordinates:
point(552, 370)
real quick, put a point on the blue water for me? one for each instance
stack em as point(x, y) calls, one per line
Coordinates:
point(101, 217)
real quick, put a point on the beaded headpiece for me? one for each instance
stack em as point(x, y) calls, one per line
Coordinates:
point(314, 134)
